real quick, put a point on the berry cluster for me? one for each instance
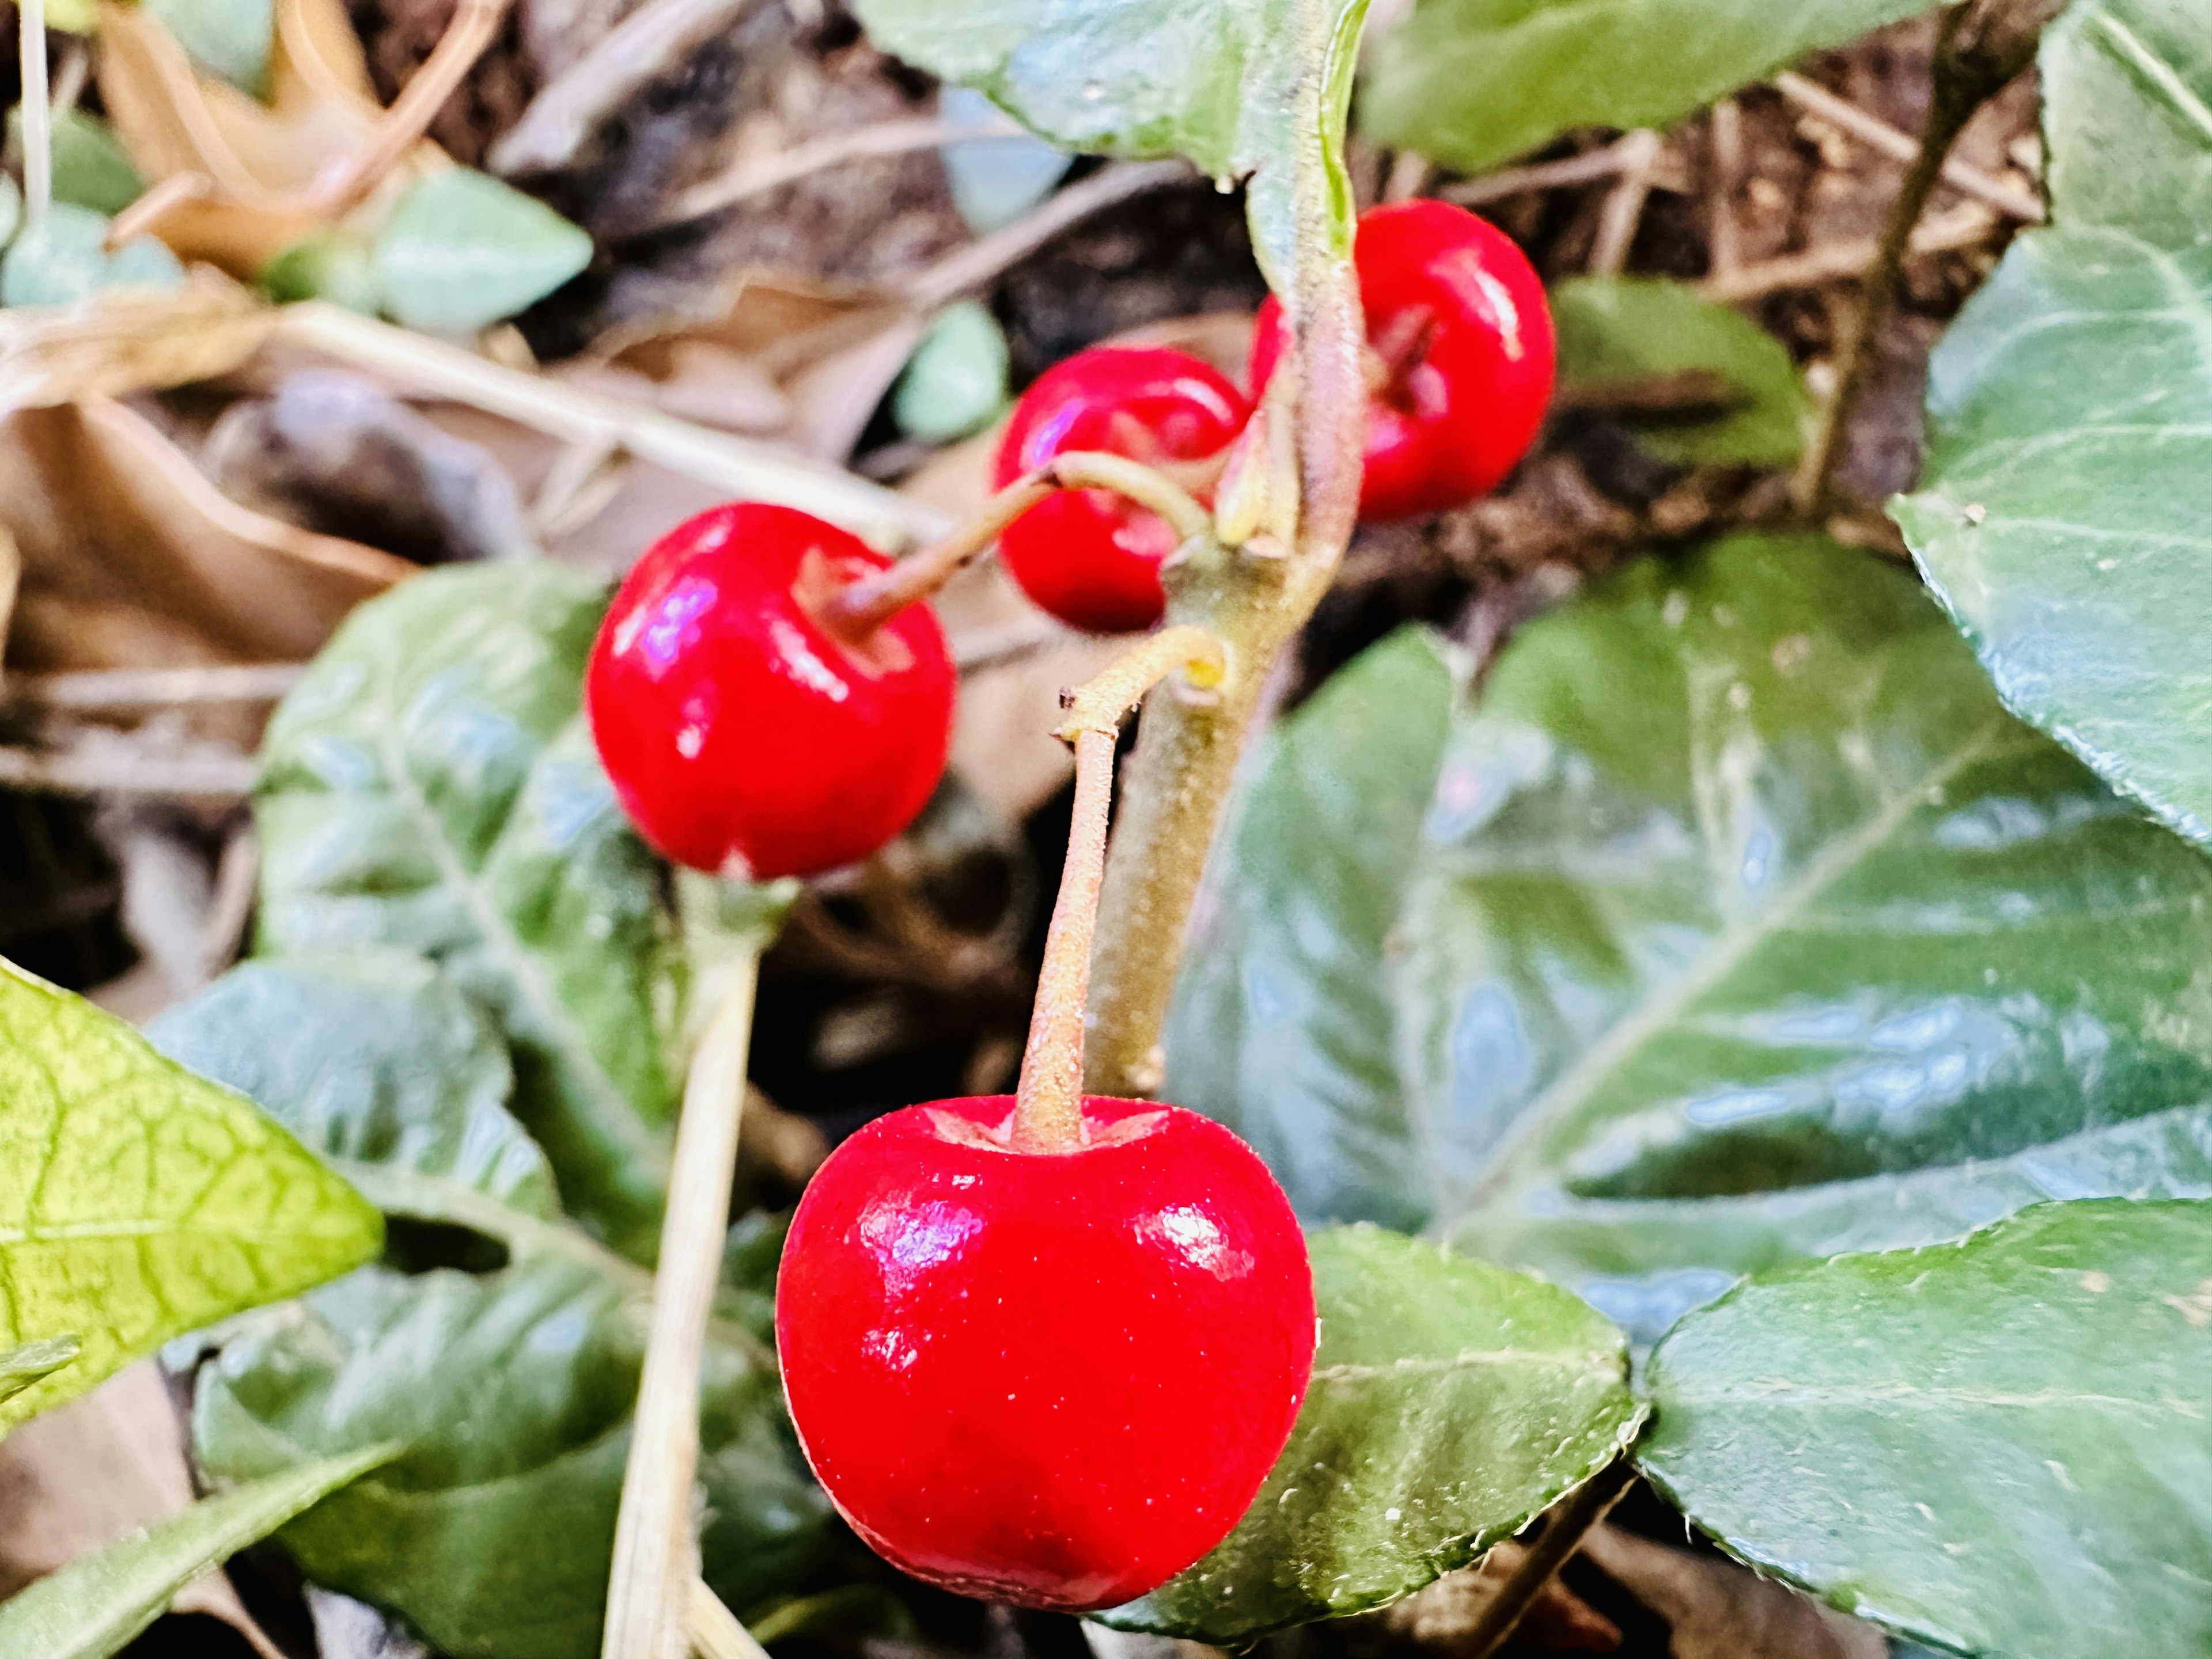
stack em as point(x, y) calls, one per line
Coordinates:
point(1043, 1347)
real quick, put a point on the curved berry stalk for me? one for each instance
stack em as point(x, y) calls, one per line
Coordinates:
point(1045, 1350)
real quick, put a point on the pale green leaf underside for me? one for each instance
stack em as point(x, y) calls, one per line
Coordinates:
point(139, 1201)
point(461, 250)
point(2065, 516)
point(95, 1605)
point(2003, 1445)
point(1618, 330)
point(1475, 82)
point(430, 785)
point(1743, 923)
point(1242, 87)
point(1451, 1402)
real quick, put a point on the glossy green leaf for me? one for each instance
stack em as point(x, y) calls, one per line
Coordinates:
point(1743, 923)
point(511, 1393)
point(139, 1201)
point(64, 258)
point(95, 1605)
point(430, 785)
point(1245, 89)
point(2065, 516)
point(1617, 332)
point(26, 1361)
point(230, 37)
point(2002, 1446)
point(1281, 1022)
point(1451, 1402)
point(90, 168)
point(374, 1059)
point(955, 381)
point(1473, 83)
point(462, 250)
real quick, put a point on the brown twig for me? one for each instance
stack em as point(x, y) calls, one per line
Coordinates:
point(127, 771)
point(476, 25)
point(757, 178)
point(1624, 205)
point(1724, 155)
point(1571, 1520)
point(861, 607)
point(1049, 1100)
point(1877, 134)
point(38, 113)
point(158, 688)
point(1552, 175)
point(1965, 226)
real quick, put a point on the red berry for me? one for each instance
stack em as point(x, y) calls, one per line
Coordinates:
point(738, 733)
point(1460, 356)
point(1050, 1378)
point(1091, 557)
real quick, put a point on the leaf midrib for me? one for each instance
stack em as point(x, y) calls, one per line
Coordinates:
point(1732, 946)
point(1596, 1362)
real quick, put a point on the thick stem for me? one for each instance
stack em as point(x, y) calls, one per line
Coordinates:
point(1958, 85)
point(861, 607)
point(1583, 1508)
point(38, 113)
point(1048, 1102)
point(1255, 599)
point(649, 1587)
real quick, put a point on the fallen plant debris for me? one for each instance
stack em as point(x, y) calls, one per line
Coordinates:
point(1693, 887)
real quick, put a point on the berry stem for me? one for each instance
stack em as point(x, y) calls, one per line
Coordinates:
point(861, 607)
point(1048, 1102)
point(649, 1590)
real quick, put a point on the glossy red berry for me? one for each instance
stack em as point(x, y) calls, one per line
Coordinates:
point(1051, 1378)
point(739, 734)
point(1460, 356)
point(1091, 557)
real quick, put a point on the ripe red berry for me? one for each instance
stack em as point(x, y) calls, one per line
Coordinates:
point(1460, 356)
point(740, 733)
point(1089, 557)
point(1053, 1378)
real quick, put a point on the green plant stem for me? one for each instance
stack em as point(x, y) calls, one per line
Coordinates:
point(1253, 598)
point(1980, 44)
point(1048, 1102)
point(655, 1556)
point(1570, 1521)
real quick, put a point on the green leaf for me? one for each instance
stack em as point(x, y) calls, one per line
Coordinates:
point(2002, 1446)
point(90, 168)
point(955, 381)
point(995, 181)
point(139, 1201)
point(511, 1393)
point(1473, 83)
point(2065, 517)
point(1281, 1023)
point(462, 250)
point(1618, 330)
point(373, 1059)
point(1743, 923)
point(26, 1361)
point(1245, 89)
point(231, 38)
point(95, 1605)
point(430, 785)
point(64, 257)
point(1451, 1402)
point(327, 265)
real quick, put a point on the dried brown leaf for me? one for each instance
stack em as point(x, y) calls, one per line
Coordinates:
point(1444, 1615)
point(1719, 1610)
point(127, 340)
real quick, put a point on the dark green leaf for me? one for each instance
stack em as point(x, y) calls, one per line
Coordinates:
point(1451, 1402)
point(462, 250)
point(430, 785)
point(2065, 513)
point(139, 1201)
point(1744, 923)
point(373, 1059)
point(512, 1392)
point(1281, 1023)
point(2002, 1445)
point(26, 1361)
point(1242, 87)
point(90, 168)
point(1475, 82)
point(96, 1604)
point(324, 266)
point(1617, 332)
